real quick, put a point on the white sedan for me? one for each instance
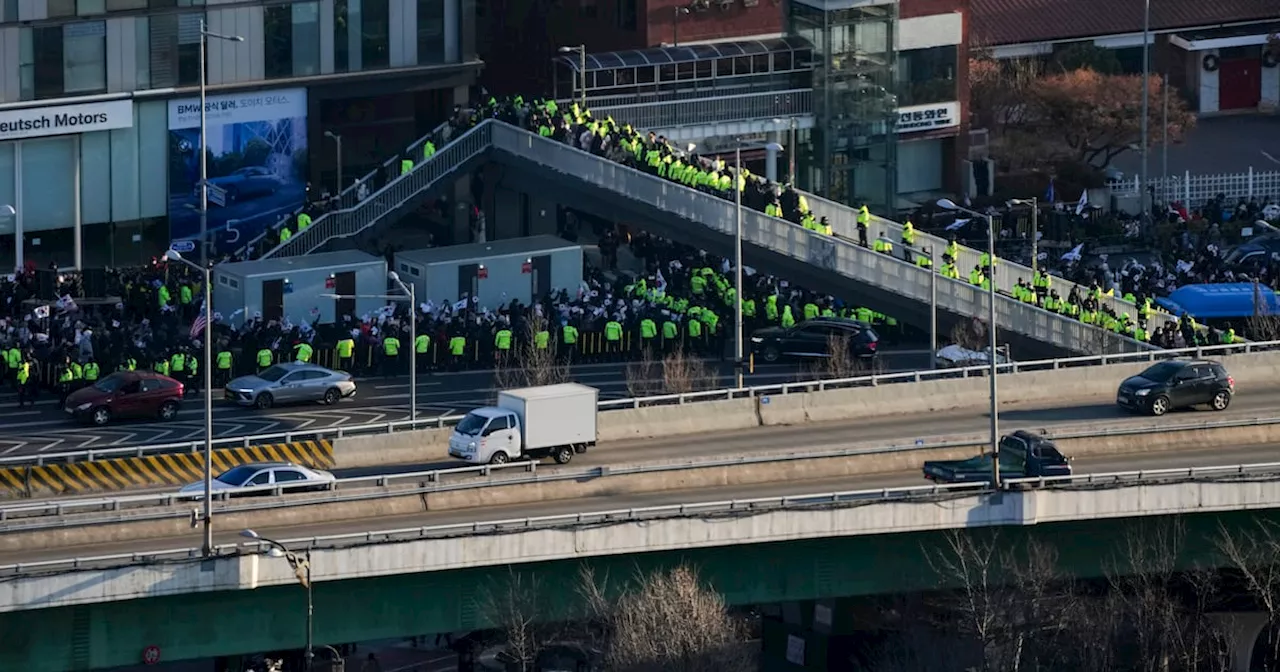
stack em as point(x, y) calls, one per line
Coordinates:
point(262, 475)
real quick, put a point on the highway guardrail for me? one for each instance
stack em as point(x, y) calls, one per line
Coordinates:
point(52, 514)
point(819, 385)
point(718, 507)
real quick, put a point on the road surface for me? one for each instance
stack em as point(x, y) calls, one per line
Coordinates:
point(44, 428)
point(899, 431)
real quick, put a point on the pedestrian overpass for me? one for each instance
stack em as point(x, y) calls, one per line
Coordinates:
point(615, 191)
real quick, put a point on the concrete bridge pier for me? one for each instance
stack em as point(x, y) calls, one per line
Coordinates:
point(1243, 629)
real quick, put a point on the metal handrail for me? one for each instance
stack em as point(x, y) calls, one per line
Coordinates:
point(134, 507)
point(720, 507)
point(818, 385)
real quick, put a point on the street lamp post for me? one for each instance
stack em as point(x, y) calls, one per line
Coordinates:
point(1146, 99)
point(1034, 202)
point(301, 565)
point(791, 147)
point(410, 296)
point(933, 309)
point(337, 139)
point(204, 146)
point(581, 50)
point(737, 264)
point(948, 204)
point(675, 25)
point(208, 396)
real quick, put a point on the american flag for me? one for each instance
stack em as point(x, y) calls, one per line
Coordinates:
point(198, 325)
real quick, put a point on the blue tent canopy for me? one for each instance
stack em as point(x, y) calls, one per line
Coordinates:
point(1222, 301)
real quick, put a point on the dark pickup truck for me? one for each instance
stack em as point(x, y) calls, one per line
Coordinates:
point(1022, 455)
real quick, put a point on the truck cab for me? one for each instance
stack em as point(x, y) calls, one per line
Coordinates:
point(556, 421)
point(488, 434)
point(1022, 455)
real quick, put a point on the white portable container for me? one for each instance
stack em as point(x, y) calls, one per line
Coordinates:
point(533, 422)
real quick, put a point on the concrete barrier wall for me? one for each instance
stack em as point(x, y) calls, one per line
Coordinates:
point(1036, 388)
point(99, 528)
point(150, 471)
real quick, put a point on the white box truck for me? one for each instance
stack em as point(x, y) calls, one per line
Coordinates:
point(532, 422)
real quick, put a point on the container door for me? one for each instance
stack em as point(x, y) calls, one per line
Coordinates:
point(344, 284)
point(468, 280)
point(541, 280)
point(273, 299)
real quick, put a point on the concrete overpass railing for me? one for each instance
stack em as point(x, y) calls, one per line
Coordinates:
point(492, 543)
point(1259, 363)
point(83, 522)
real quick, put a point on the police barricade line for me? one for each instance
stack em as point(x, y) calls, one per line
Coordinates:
point(169, 469)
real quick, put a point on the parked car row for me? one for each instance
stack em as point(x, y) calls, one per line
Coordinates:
point(146, 394)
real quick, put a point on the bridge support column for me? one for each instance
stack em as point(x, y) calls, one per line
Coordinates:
point(1242, 630)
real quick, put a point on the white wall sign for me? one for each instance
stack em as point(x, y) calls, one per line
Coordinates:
point(35, 122)
point(928, 117)
point(239, 108)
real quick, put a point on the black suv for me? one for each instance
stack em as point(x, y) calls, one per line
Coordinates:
point(813, 338)
point(1177, 384)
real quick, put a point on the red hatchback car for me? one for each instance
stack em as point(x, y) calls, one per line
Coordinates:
point(126, 394)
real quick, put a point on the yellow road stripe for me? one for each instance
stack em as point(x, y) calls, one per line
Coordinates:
point(92, 474)
point(79, 475)
point(47, 480)
point(13, 479)
point(146, 469)
point(192, 466)
point(162, 469)
point(293, 452)
point(95, 474)
point(67, 477)
point(258, 455)
point(219, 462)
point(317, 455)
point(126, 471)
point(243, 456)
point(176, 466)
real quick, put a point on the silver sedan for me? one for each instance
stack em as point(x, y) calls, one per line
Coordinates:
point(290, 383)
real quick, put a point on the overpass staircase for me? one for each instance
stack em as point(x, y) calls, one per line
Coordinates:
point(609, 189)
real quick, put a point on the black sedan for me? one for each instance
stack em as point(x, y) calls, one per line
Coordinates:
point(815, 338)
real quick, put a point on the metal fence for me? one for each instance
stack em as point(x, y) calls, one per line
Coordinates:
point(765, 105)
point(721, 507)
point(799, 387)
point(1194, 190)
point(48, 514)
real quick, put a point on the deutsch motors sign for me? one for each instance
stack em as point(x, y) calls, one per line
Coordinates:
point(35, 122)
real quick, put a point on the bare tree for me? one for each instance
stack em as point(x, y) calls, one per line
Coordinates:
point(983, 599)
point(1263, 325)
point(667, 621)
point(682, 373)
point(1255, 557)
point(644, 375)
point(512, 605)
point(527, 365)
point(839, 360)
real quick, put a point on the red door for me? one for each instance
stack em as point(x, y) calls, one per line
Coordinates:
point(1239, 84)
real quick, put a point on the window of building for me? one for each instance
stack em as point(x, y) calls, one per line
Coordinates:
point(142, 51)
point(57, 60)
point(927, 76)
point(291, 40)
point(173, 51)
point(588, 9)
point(627, 14)
point(375, 34)
point(84, 57)
point(430, 32)
point(341, 62)
point(8, 10)
point(125, 5)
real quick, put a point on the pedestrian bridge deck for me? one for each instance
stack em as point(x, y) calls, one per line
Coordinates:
point(610, 189)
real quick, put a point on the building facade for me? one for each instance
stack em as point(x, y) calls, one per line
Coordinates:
point(1215, 53)
point(100, 115)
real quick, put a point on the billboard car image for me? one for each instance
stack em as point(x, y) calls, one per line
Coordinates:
point(256, 158)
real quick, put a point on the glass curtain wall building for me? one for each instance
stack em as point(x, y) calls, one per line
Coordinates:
point(851, 156)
